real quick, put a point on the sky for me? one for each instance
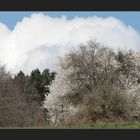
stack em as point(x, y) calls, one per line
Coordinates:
point(132, 18)
point(30, 40)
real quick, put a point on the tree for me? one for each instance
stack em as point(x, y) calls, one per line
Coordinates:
point(15, 110)
point(91, 79)
point(47, 78)
point(41, 81)
point(35, 81)
point(20, 81)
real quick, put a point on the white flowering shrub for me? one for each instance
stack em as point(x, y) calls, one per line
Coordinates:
point(94, 81)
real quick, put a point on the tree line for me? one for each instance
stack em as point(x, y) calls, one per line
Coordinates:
point(92, 83)
point(21, 98)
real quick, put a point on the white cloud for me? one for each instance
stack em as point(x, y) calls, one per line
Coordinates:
point(38, 39)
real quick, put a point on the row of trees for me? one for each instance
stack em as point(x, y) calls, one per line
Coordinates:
point(95, 83)
point(92, 83)
point(21, 98)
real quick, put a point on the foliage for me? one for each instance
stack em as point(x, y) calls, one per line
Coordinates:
point(96, 83)
point(19, 101)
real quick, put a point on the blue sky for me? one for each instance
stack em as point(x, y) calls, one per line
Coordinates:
point(129, 18)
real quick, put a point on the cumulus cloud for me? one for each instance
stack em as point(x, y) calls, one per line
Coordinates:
point(37, 40)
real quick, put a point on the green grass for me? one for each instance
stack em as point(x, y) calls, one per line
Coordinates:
point(101, 125)
point(116, 125)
